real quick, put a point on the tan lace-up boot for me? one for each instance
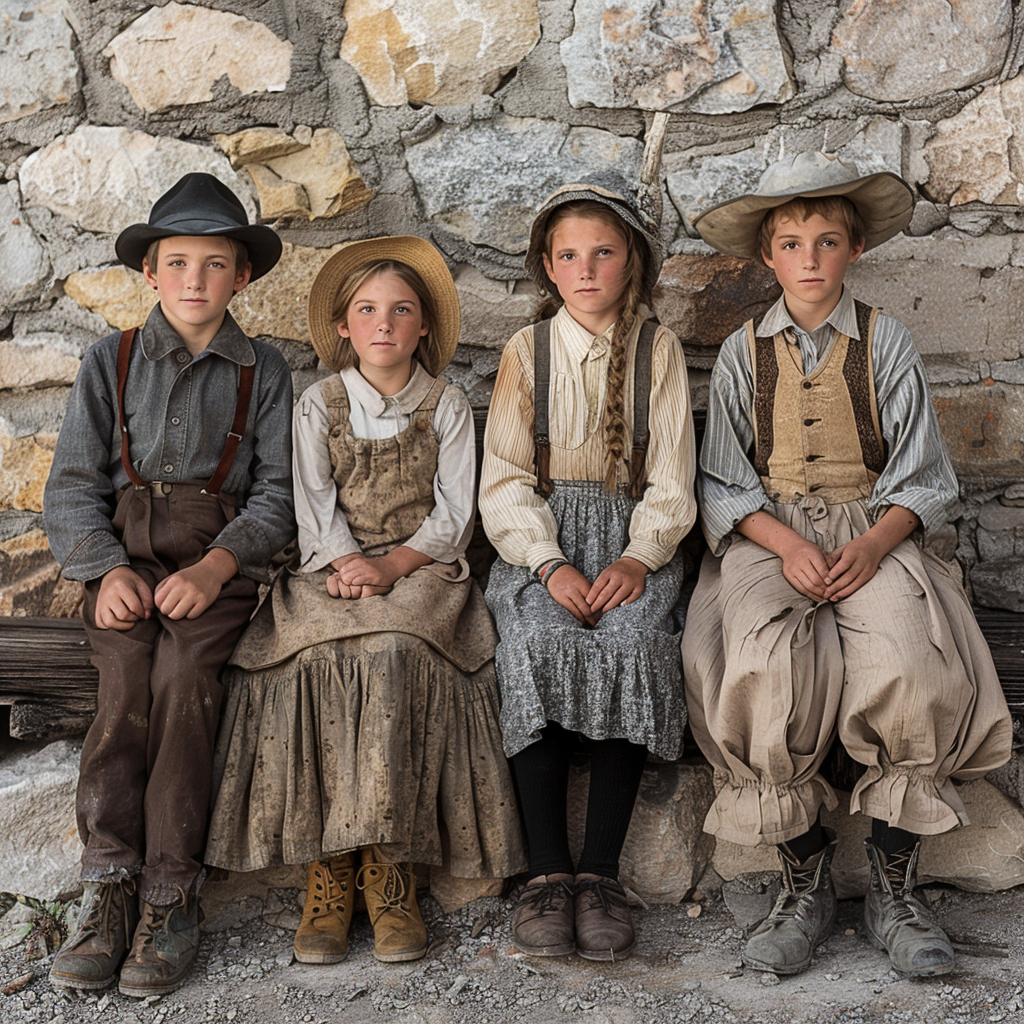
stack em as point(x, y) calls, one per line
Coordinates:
point(390, 892)
point(322, 936)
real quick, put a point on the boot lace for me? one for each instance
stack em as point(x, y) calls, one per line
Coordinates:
point(392, 890)
point(96, 920)
point(548, 897)
point(601, 893)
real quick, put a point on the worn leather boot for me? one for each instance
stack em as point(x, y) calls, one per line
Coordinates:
point(106, 922)
point(543, 921)
point(322, 936)
point(897, 921)
point(604, 925)
point(390, 893)
point(802, 917)
point(165, 947)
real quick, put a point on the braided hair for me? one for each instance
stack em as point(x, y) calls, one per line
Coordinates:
point(614, 421)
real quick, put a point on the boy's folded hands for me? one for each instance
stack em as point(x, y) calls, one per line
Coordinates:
point(123, 600)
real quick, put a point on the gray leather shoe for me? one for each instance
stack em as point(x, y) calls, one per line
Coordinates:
point(898, 922)
point(543, 922)
point(604, 924)
point(801, 919)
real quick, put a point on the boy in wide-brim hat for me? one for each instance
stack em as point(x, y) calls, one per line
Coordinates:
point(170, 491)
point(819, 610)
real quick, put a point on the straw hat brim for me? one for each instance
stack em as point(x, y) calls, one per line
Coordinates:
point(412, 250)
point(884, 201)
point(615, 202)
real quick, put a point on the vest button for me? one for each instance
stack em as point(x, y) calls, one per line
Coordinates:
point(808, 423)
point(807, 385)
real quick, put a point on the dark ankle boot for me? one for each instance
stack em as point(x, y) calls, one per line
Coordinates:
point(106, 922)
point(897, 921)
point(802, 917)
point(165, 947)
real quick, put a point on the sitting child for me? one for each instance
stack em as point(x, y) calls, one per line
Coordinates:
point(818, 610)
point(169, 494)
point(362, 717)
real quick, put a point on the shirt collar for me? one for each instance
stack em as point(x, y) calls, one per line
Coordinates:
point(577, 340)
point(159, 339)
point(375, 404)
point(843, 318)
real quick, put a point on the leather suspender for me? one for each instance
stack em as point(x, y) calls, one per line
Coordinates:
point(246, 375)
point(641, 406)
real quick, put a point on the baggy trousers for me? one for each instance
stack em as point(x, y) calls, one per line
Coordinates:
point(145, 778)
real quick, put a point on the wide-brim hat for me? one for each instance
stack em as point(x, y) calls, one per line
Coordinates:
point(200, 204)
point(415, 252)
point(884, 200)
point(619, 205)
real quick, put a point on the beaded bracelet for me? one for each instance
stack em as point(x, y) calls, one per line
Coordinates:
point(545, 571)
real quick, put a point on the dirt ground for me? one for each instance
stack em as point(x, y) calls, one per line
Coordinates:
point(686, 969)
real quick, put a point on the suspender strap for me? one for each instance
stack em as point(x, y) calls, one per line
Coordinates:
point(642, 372)
point(245, 378)
point(124, 354)
point(245, 382)
point(541, 389)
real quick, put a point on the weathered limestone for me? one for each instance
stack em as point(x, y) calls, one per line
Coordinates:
point(119, 295)
point(441, 52)
point(705, 298)
point(309, 174)
point(894, 50)
point(39, 69)
point(104, 179)
point(492, 311)
point(39, 845)
point(712, 55)
point(484, 182)
point(978, 154)
point(1000, 531)
point(24, 465)
point(26, 267)
point(999, 583)
point(173, 55)
point(666, 852)
point(984, 430)
point(36, 360)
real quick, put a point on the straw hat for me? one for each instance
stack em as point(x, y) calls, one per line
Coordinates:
point(619, 205)
point(415, 252)
point(884, 201)
point(200, 204)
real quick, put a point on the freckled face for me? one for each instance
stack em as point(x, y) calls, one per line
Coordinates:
point(587, 264)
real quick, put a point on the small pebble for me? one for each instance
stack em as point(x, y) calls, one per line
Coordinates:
point(769, 979)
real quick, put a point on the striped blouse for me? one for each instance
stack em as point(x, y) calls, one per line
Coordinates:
point(918, 474)
point(518, 521)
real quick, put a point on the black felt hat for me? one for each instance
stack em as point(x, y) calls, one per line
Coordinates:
point(200, 204)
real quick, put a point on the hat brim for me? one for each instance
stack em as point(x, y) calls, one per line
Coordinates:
point(884, 200)
point(263, 243)
point(415, 252)
point(618, 205)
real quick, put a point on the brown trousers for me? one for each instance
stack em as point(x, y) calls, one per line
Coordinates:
point(145, 778)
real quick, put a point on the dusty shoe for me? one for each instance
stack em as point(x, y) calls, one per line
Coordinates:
point(604, 925)
point(897, 921)
point(106, 922)
point(390, 893)
point(322, 937)
point(165, 947)
point(801, 919)
point(543, 919)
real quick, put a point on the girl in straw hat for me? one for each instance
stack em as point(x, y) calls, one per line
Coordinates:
point(361, 721)
point(587, 524)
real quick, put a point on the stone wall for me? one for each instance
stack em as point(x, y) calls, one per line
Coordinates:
point(452, 120)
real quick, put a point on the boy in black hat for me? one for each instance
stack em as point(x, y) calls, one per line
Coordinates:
point(170, 491)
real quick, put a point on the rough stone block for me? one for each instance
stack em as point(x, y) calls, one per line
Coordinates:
point(999, 583)
point(984, 430)
point(22, 255)
point(39, 845)
point(24, 466)
point(36, 361)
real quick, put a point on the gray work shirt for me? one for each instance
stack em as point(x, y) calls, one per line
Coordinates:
point(178, 410)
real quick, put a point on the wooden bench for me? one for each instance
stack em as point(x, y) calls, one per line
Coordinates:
point(47, 678)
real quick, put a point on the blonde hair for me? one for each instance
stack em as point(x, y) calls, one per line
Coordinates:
point(802, 208)
point(614, 422)
point(428, 349)
point(239, 249)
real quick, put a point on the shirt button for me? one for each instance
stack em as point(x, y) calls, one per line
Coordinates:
point(183, 357)
point(807, 385)
point(175, 420)
point(168, 468)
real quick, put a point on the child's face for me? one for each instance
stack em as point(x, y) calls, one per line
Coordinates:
point(810, 259)
point(384, 322)
point(195, 277)
point(587, 263)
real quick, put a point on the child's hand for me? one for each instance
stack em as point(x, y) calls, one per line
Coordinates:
point(570, 588)
point(621, 583)
point(805, 567)
point(852, 565)
point(123, 600)
point(338, 589)
point(187, 593)
point(356, 570)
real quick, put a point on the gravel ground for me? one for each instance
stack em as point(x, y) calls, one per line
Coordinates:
point(686, 969)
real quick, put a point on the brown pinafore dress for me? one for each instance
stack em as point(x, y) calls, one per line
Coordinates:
point(351, 723)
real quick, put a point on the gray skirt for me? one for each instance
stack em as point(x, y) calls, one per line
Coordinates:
point(621, 679)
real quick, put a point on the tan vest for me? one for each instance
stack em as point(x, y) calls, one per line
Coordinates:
point(817, 435)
